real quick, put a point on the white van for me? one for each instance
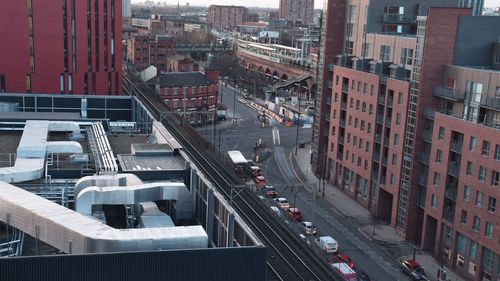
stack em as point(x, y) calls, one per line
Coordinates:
point(327, 244)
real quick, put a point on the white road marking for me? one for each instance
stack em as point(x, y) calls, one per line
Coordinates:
point(276, 136)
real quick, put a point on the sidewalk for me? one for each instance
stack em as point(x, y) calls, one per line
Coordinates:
point(376, 230)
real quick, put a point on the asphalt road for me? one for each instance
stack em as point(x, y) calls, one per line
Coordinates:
point(378, 260)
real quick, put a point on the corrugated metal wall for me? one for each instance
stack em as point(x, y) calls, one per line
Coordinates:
point(221, 264)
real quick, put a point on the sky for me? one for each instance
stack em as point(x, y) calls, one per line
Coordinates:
point(318, 4)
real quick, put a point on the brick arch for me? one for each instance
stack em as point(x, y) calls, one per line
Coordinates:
point(284, 77)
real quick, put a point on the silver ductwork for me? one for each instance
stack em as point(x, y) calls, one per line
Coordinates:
point(72, 232)
point(33, 147)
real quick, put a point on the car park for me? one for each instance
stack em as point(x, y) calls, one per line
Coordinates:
point(327, 244)
point(282, 203)
point(295, 214)
point(308, 228)
point(270, 191)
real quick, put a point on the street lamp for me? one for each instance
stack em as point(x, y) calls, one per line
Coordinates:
point(375, 215)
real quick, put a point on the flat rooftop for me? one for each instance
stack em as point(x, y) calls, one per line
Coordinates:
point(151, 163)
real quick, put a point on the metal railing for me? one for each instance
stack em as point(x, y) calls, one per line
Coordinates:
point(345, 88)
point(422, 180)
point(456, 146)
point(426, 136)
point(424, 158)
point(397, 18)
point(342, 123)
point(380, 119)
point(388, 122)
point(451, 193)
point(343, 105)
point(453, 169)
point(448, 214)
point(448, 93)
point(429, 113)
point(490, 102)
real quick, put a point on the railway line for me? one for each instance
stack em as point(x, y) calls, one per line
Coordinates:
point(289, 258)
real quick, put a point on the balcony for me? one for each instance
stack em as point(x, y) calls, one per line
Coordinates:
point(386, 141)
point(345, 88)
point(390, 102)
point(451, 193)
point(426, 136)
point(340, 156)
point(383, 79)
point(388, 122)
point(374, 175)
point(491, 103)
point(378, 138)
point(341, 140)
point(342, 123)
point(449, 214)
point(424, 158)
point(343, 105)
point(380, 119)
point(329, 100)
point(384, 160)
point(329, 84)
point(448, 93)
point(453, 169)
point(463, 117)
point(330, 67)
point(422, 180)
point(381, 100)
point(397, 18)
point(376, 157)
point(429, 113)
point(456, 146)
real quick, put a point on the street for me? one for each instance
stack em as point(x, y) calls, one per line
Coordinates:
point(375, 259)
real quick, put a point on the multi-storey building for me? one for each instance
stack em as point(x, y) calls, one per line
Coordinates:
point(297, 11)
point(67, 47)
point(142, 51)
point(226, 16)
point(409, 123)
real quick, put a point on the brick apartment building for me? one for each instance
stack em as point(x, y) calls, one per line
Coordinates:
point(297, 11)
point(226, 16)
point(66, 47)
point(143, 51)
point(409, 122)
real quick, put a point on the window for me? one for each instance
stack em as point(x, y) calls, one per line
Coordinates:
point(492, 204)
point(494, 178)
point(366, 165)
point(476, 223)
point(365, 49)
point(2, 84)
point(479, 199)
point(355, 141)
point(396, 139)
point(497, 91)
point(463, 217)
point(488, 230)
point(482, 173)
point(470, 168)
point(336, 97)
point(472, 144)
point(488, 257)
point(363, 107)
point(350, 120)
point(360, 143)
point(461, 244)
point(370, 109)
point(394, 159)
point(359, 86)
point(348, 137)
point(497, 152)
point(406, 56)
point(473, 250)
point(485, 148)
point(400, 98)
point(398, 119)
point(369, 128)
point(351, 103)
point(365, 88)
point(362, 126)
point(466, 193)
point(353, 85)
point(437, 179)
point(334, 114)
point(439, 155)
point(367, 147)
point(355, 122)
point(358, 103)
point(337, 78)
point(441, 133)
point(433, 201)
point(385, 53)
point(359, 161)
point(372, 90)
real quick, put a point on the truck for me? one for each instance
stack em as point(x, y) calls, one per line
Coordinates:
point(342, 269)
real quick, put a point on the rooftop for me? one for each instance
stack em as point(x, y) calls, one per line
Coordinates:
point(182, 79)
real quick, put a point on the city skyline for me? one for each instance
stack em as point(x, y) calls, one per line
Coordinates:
point(268, 4)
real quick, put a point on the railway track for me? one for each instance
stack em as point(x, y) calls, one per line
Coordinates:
point(289, 258)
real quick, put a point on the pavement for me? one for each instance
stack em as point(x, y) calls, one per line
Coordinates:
point(376, 230)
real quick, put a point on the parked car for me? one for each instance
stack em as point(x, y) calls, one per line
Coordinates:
point(255, 171)
point(347, 260)
point(327, 244)
point(344, 271)
point(294, 213)
point(362, 276)
point(413, 269)
point(282, 203)
point(308, 228)
point(270, 191)
point(260, 181)
point(276, 210)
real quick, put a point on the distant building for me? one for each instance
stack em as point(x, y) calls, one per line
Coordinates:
point(252, 17)
point(142, 51)
point(56, 47)
point(126, 13)
point(297, 11)
point(180, 63)
point(190, 93)
point(226, 16)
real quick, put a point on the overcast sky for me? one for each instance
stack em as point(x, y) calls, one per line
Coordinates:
point(318, 4)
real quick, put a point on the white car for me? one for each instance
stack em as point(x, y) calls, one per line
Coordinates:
point(282, 203)
point(276, 210)
point(327, 244)
point(308, 228)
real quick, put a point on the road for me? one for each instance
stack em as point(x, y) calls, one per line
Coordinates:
point(375, 259)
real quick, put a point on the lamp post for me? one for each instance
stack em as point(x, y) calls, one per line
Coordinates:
point(375, 215)
point(298, 127)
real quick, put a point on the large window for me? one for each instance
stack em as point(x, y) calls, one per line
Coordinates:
point(385, 53)
point(406, 56)
point(492, 204)
point(476, 223)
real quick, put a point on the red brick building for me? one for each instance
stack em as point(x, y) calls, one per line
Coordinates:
point(190, 93)
point(226, 16)
point(410, 124)
point(66, 47)
point(297, 11)
point(142, 51)
point(179, 63)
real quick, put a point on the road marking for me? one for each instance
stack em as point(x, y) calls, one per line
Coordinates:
point(276, 136)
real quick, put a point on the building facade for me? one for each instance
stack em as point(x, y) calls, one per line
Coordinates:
point(226, 16)
point(68, 47)
point(126, 12)
point(297, 11)
point(409, 124)
point(142, 51)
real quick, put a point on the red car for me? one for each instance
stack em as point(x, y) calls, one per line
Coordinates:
point(260, 181)
point(347, 260)
point(295, 214)
point(271, 192)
